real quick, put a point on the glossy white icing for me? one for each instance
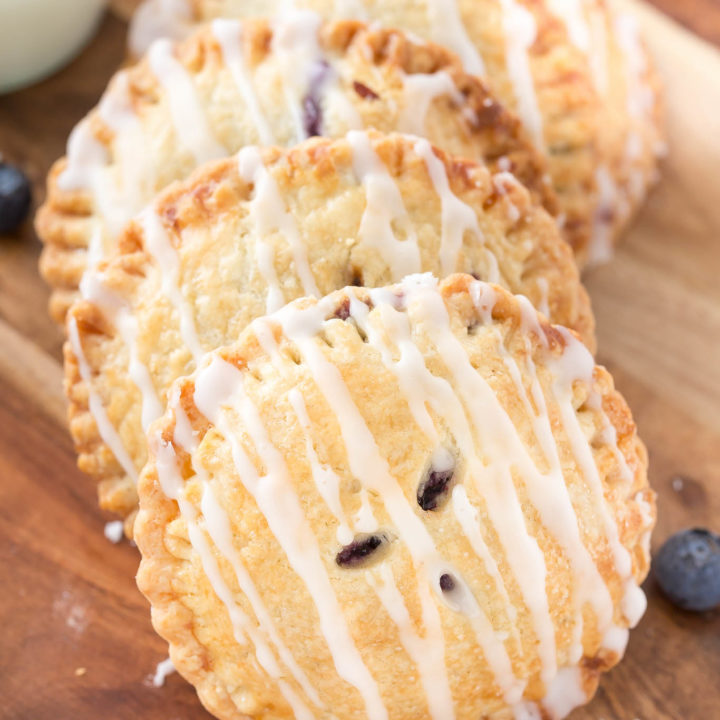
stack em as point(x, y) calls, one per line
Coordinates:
point(159, 19)
point(188, 117)
point(167, 262)
point(296, 49)
point(162, 671)
point(105, 428)
point(113, 531)
point(219, 529)
point(229, 35)
point(493, 481)
point(457, 216)
point(608, 203)
point(426, 650)
point(279, 503)
point(564, 693)
point(269, 214)
point(413, 378)
point(572, 13)
point(326, 480)
point(520, 33)
point(446, 27)
point(384, 209)
point(419, 92)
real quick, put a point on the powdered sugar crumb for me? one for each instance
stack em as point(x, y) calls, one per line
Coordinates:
point(162, 671)
point(114, 531)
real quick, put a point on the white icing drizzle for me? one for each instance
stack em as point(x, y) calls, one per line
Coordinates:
point(548, 493)
point(608, 203)
point(565, 692)
point(419, 92)
point(447, 28)
point(105, 428)
point(467, 516)
point(117, 195)
point(457, 217)
point(572, 13)
point(295, 46)
point(113, 531)
point(367, 464)
point(384, 205)
point(113, 307)
point(576, 363)
point(85, 154)
point(268, 213)
point(326, 480)
point(163, 669)
point(431, 666)
point(281, 507)
point(188, 118)
point(218, 527)
point(520, 32)
point(157, 19)
point(501, 182)
point(306, 70)
point(134, 174)
point(243, 628)
point(229, 34)
point(421, 649)
point(422, 389)
point(599, 47)
point(167, 261)
point(640, 99)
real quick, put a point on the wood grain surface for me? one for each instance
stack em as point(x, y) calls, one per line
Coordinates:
point(76, 640)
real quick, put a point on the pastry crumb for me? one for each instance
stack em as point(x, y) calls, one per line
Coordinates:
point(114, 531)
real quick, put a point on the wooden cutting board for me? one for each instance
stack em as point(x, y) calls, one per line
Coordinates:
point(75, 636)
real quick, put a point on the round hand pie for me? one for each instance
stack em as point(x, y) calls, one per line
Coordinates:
point(267, 82)
point(576, 73)
point(245, 235)
point(418, 501)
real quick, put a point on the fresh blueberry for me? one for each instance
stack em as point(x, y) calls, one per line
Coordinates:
point(15, 197)
point(688, 569)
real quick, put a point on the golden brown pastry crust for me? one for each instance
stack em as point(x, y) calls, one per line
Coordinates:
point(372, 64)
point(188, 614)
point(580, 67)
point(209, 223)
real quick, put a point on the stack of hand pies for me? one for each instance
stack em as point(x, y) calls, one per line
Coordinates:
point(329, 356)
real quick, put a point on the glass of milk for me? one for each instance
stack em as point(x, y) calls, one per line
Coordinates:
point(38, 37)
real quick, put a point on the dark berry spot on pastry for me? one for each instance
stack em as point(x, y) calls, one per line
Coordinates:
point(342, 311)
point(447, 582)
point(364, 91)
point(433, 490)
point(487, 116)
point(360, 551)
point(605, 215)
point(312, 116)
point(357, 279)
point(15, 197)
point(312, 111)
